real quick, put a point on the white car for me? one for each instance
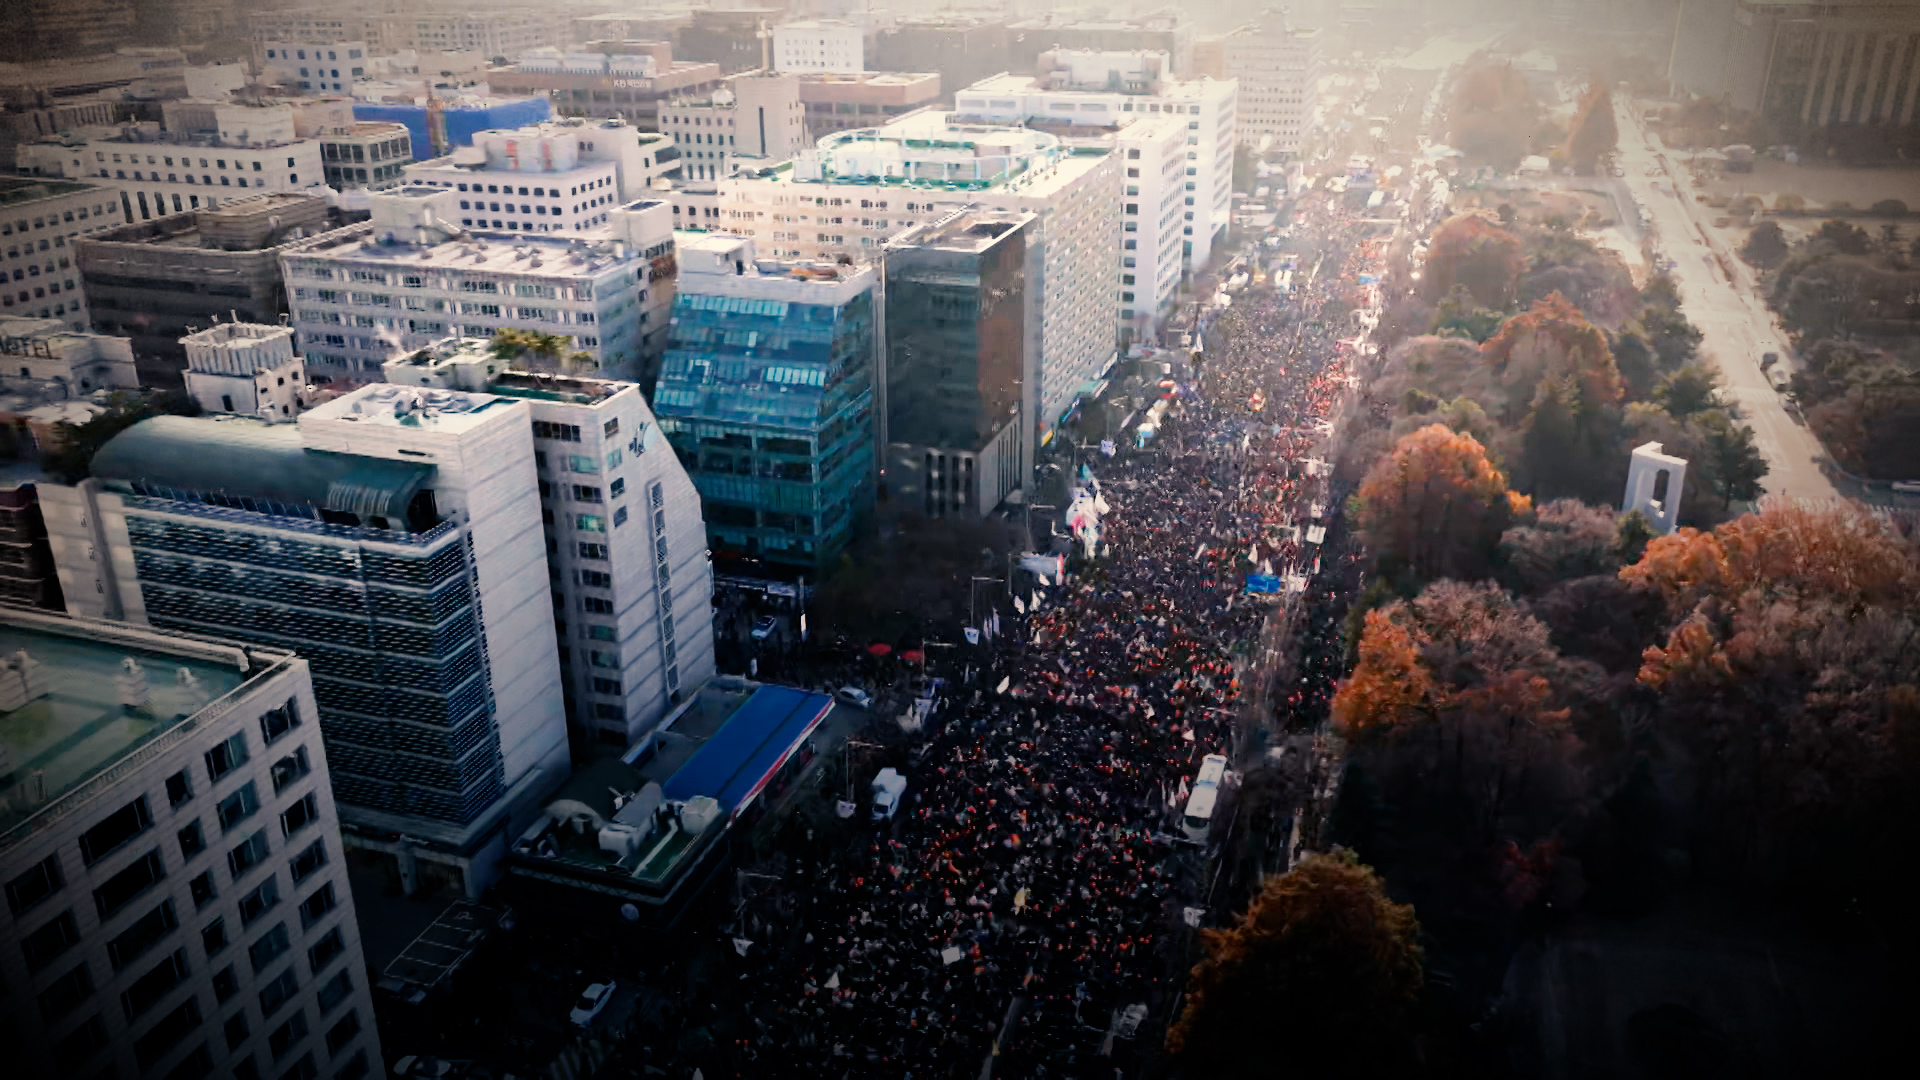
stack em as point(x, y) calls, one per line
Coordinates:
point(593, 1002)
point(853, 695)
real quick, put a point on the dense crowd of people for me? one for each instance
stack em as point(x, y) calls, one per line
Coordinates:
point(1029, 899)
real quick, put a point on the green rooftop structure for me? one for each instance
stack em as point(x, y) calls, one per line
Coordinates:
point(65, 712)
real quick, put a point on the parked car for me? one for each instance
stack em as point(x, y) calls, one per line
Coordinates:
point(763, 627)
point(422, 1065)
point(853, 695)
point(593, 1002)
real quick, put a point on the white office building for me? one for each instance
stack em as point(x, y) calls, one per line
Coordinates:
point(208, 154)
point(626, 543)
point(1084, 91)
point(753, 120)
point(829, 45)
point(245, 369)
point(38, 218)
point(1153, 206)
point(317, 65)
point(391, 537)
point(564, 176)
point(177, 900)
point(411, 275)
point(858, 189)
point(1278, 68)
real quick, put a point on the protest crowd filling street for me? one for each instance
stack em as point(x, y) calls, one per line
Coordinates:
point(1035, 884)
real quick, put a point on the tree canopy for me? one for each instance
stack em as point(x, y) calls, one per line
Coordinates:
point(1553, 340)
point(1436, 505)
point(1469, 250)
point(1594, 134)
point(1320, 977)
point(1792, 639)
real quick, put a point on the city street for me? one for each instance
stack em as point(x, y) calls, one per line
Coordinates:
point(1736, 326)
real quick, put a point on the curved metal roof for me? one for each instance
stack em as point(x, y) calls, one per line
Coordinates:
point(245, 458)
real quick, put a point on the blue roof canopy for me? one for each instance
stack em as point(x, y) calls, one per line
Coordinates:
point(750, 747)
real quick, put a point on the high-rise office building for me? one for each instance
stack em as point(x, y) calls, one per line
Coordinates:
point(1278, 68)
point(391, 537)
point(752, 121)
point(318, 64)
point(767, 394)
point(626, 546)
point(27, 576)
point(857, 189)
point(177, 900)
point(1082, 92)
point(962, 325)
point(414, 274)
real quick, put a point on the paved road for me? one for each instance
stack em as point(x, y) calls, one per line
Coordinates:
point(1736, 325)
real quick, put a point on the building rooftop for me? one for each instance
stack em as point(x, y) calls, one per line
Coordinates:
point(79, 697)
point(260, 223)
point(721, 263)
point(420, 408)
point(255, 465)
point(369, 129)
point(735, 764)
point(19, 191)
point(935, 150)
point(431, 364)
point(970, 231)
point(866, 78)
point(562, 256)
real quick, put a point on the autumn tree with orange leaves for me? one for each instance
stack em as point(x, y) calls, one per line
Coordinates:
point(1594, 133)
point(1793, 641)
point(1553, 340)
point(1435, 506)
point(1320, 977)
point(1459, 695)
point(1472, 251)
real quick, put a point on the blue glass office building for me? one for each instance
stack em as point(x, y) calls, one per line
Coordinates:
point(767, 395)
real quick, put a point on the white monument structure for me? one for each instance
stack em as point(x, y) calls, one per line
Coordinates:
point(1655, 480)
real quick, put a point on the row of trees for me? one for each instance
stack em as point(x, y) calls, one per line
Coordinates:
point(1505, 718)
point(1848, 297)
point(1541, 349)
point(1770, 667)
